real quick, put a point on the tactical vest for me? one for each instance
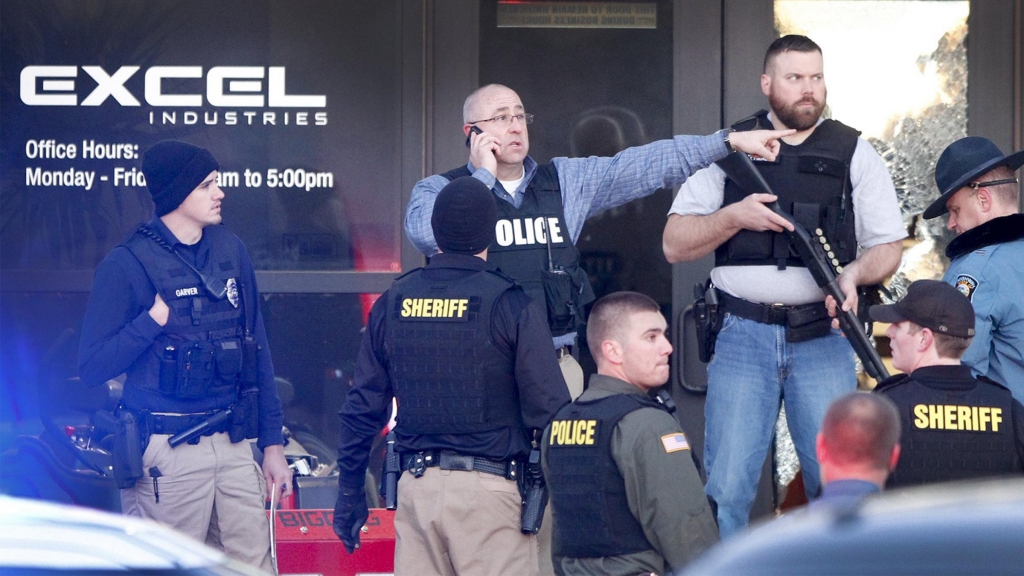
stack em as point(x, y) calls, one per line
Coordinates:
point(448, 375)
point(812, 181)
point(521, 249)
point(592, 516)
point(952, 434)
point(200, 348)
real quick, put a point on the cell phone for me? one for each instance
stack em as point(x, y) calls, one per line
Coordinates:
point(475, 129)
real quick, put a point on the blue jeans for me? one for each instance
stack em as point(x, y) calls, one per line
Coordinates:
point(753, 370)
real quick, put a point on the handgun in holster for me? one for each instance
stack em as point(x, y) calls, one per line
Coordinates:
point(707, 319)
point(535, 494)
point(128, 445)
point(392, 472)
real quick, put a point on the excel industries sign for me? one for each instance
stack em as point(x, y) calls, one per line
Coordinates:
point(101, 81)
point(86, 87)
point(241, 96)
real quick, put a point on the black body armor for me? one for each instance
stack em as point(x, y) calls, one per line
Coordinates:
point(521, 249)
point(592, 516)
point(812, 181)
point(451, 378)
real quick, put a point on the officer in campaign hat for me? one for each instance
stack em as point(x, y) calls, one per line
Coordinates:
point(468, 357)
point(176, 309)
point(980, 191)
point(626, 495)
point(954, 426)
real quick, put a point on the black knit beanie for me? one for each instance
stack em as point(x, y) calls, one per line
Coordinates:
point(173, 169)
point(464, 216)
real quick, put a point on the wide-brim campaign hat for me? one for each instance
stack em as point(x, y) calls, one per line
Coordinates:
point(963, 161)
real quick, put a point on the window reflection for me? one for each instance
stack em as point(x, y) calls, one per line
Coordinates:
point(314, 339)
point(897, 71)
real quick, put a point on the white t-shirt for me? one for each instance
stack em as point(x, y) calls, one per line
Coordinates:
point(878, 221)
point(511, 186)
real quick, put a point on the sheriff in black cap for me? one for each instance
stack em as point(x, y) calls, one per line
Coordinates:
point(467, 355)
point(954, 426)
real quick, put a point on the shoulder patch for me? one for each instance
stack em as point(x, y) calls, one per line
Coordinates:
point(674, 442)
point(967, 285)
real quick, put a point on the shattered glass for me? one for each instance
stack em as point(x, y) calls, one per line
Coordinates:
point(908, 117)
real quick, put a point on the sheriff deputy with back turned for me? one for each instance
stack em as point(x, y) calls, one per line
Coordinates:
point(468, 357)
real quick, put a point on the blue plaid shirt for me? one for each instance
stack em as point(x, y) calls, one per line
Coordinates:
point(589, 185)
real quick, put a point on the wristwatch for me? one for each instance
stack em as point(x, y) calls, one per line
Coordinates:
point(725, 135)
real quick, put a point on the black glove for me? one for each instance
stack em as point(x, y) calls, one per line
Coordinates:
point(350, 513)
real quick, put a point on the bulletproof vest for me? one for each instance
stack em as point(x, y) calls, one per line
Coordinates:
point(592, 516)
point(953, 434)
point(448, 375)
point(521, 249)
point(200, 347)
point(812, 181)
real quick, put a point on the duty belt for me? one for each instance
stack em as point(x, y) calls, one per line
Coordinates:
point(447, 460)
point(766, 313)
point(177, 423)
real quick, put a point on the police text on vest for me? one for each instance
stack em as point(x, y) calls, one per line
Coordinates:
point(572, 432)
point(525, 231)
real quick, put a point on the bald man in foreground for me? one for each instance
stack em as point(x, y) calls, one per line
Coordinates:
point(858, 447)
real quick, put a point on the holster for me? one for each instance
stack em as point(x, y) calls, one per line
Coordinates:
point(805, 323)
point(534, 492)
point(392, 471)
point(129, 444)
point(707, 319)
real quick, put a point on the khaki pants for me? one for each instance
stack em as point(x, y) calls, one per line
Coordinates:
point(573, 374)
point(212, 491)
point(452, 522)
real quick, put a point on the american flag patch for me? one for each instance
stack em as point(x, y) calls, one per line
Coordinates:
point(675, 442)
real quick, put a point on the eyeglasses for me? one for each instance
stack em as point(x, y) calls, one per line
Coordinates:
point(506, 119)
point(976, 185)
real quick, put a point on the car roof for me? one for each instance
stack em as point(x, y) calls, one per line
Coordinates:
point(954, 528)
point(38, 534)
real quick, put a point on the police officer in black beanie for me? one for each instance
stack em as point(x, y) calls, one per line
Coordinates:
point(954, 426)
point(468, 357)
point(176, 309)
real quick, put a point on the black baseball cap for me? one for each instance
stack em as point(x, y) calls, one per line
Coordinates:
point(931, 304)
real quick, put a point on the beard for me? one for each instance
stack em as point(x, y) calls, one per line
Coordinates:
point(797, 118)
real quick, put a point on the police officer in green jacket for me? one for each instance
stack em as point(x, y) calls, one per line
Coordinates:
point(626, 495)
